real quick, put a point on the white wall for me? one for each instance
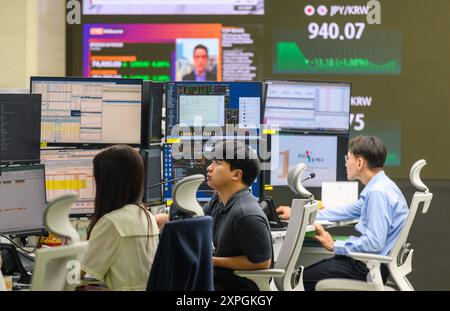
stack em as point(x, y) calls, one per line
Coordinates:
point(32, 40)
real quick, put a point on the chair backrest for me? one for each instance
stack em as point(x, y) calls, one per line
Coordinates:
point(58, 268)
point(303, 213)
point(184, 195)
point(56, 218)
point(183, 260)
point(423, 196)
point(294, 180)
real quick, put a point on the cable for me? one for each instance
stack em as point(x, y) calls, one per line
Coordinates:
point(18, 246)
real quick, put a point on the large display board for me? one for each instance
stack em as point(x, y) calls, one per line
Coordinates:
point(393, 52)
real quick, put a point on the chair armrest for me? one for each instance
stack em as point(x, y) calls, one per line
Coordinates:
point(373, 263)
point(266, 273)
point(370, 257)
point(261, 277)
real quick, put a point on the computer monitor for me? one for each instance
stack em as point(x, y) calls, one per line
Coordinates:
point(70, 171)
point(22, 199)
point(197, 163)
point(268, 207)
point(178, 7)
point(20, 128)
point(90, 111)
point(152, 102)
point(323, 156)
point(152, 162)
point(308, 106)
point(221, 108)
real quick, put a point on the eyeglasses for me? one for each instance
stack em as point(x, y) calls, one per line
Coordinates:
point(356, 157)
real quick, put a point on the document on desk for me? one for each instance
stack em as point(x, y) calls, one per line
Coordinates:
point(335, 194)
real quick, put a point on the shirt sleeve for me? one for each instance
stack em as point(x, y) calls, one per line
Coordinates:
point(254, 238)
point(341, 213)
point(373, 238)
point(101, 253)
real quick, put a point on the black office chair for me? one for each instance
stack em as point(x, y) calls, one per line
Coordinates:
point(268, 207)
point(12, 265)
point(183, 260)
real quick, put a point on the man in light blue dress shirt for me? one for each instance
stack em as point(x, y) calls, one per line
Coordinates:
point(382, 211)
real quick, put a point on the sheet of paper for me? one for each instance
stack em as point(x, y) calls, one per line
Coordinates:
point(335, 194)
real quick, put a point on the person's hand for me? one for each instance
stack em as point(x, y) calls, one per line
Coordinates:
point(284, 212)
point(161, 220)
point(324, 238)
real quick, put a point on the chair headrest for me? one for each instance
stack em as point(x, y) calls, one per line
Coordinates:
point(414, 175)
point(294, 180)
point(184, 195)
point(56, 218)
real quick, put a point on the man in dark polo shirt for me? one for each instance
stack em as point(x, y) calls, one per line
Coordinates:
point(241, 231)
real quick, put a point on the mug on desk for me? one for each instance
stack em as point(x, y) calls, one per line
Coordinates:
point(8, 280)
